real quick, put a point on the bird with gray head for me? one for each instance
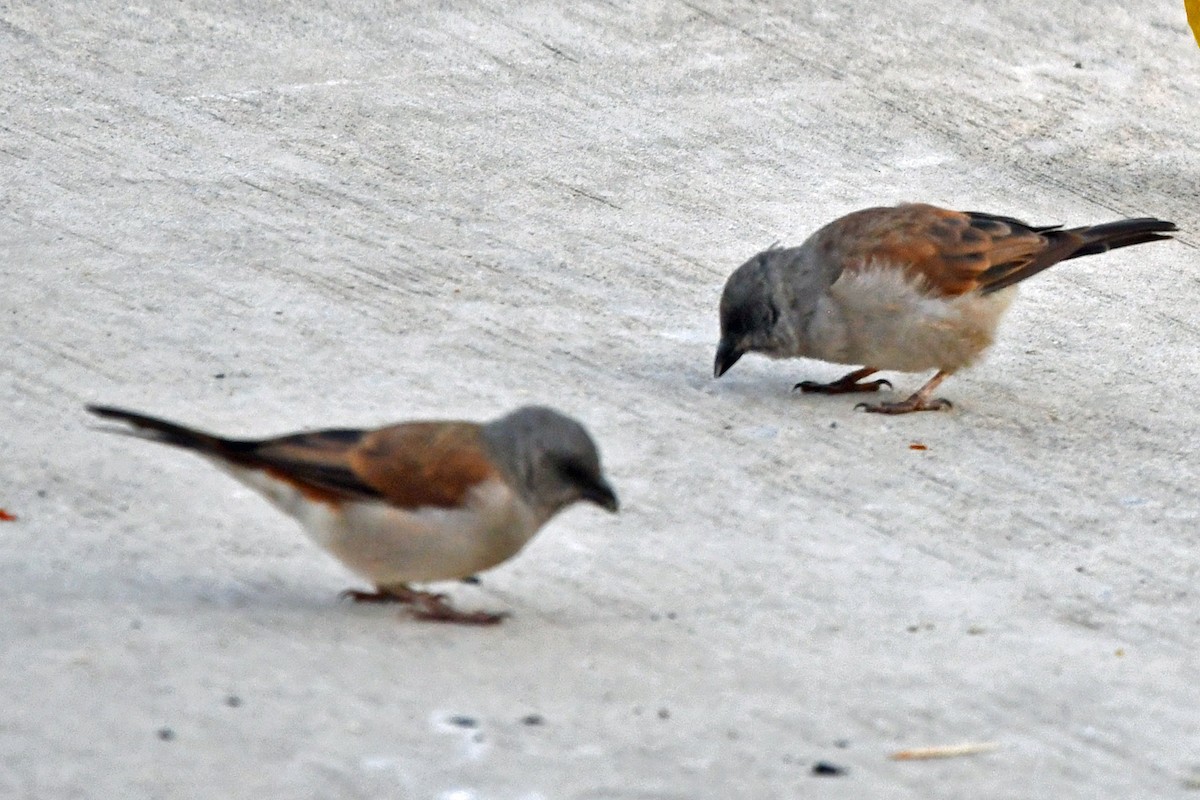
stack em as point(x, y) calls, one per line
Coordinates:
point(908, 288)
point(415, 501)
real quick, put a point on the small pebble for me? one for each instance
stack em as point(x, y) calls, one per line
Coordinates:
point(464, 722)
point(166, 734)
point(827, 769)
point(233, 701)
point(664, 713)
point(532, 719)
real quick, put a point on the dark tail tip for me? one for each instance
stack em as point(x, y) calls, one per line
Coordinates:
point(1124, 233)
point(159, 430)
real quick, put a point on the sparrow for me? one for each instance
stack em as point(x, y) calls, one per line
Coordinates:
point(908, 288)
point(414, 501)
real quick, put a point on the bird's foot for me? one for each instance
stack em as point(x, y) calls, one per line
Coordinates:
point(920, 400)
point(841, 386)
point(400, 594)
point(431, 607)
point(845, 384)
point(427, 606)
point(913, 403)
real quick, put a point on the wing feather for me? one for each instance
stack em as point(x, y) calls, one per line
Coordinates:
point(411, 465)
point(956, 252)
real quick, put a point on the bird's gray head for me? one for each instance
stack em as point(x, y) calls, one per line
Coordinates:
point(750, 309)
point(551, 458)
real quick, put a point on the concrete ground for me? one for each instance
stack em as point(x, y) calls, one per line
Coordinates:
point(302, 215)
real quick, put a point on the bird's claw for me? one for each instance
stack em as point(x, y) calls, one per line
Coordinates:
point(387, 596)
point(842, 387)
point(435, 608)
point(906, 406)
point(425, 606)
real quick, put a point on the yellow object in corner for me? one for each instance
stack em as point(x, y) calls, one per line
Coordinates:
point(1193, 15)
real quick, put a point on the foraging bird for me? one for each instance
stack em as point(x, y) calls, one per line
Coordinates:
point(416, 501)
point(907, 288)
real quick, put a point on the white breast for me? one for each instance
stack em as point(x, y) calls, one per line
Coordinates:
point(881, 318)
point(388, 545)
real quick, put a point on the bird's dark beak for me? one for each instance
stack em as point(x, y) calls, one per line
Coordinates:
point(727, 356)
point(602, 495)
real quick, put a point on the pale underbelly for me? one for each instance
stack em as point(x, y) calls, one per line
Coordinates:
point(878, 320)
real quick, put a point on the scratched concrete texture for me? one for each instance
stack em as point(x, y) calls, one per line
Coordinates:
point(258, 218)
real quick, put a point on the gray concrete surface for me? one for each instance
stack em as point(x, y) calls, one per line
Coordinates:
point(263, 220)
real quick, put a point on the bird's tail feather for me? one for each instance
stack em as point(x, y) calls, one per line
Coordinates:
point(160, 430)
point(1063, 245)
point(1126, 232)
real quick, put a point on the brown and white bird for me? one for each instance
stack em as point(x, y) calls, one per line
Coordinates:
point(416, 501)
point(908, 288)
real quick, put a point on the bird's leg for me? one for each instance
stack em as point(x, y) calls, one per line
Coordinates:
point(435, 608)
point(919, 401)
point(845, 384)
point(429, 606)
point(396, 593)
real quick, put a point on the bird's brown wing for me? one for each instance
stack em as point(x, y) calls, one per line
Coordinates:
point(953, 252)
point(411, 465)
point(422, 464)
point(317, 463)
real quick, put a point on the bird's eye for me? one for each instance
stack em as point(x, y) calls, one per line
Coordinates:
point(573, 472)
